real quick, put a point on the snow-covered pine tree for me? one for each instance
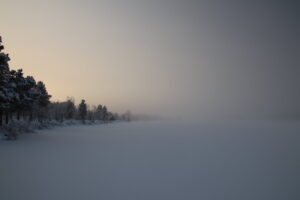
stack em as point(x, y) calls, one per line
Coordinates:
point(20, 81)
point(43, 100)
point(32, 95)
point(8, 95)
point(44, 97)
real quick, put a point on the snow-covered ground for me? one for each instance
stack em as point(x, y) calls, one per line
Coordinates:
point(154, 161)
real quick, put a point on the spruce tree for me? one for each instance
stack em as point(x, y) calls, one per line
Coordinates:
point(44, 97)
point(43, 100)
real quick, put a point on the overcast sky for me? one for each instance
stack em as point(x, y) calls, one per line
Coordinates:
point(167, 57)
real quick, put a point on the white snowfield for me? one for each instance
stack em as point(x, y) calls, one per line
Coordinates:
point(154, 161)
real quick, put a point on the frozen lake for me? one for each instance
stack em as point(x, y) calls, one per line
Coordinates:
point(154, 161)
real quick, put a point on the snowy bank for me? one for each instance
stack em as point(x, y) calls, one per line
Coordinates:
point(11, 130)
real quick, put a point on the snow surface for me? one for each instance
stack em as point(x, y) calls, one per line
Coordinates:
point(154, 161)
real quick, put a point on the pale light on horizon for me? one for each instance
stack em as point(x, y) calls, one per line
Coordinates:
point(168, 58)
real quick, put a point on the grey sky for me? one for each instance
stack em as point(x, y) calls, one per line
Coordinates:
point(202, 58)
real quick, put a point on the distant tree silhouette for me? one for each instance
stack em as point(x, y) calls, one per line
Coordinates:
point(127, 116)
point(82, 110)
point(99, 112)
point(104, 111)
point(70, 108)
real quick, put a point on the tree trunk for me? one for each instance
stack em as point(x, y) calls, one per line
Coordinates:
point(18, 115)
point(30, 115)
point(6, 117)
point(1, 119)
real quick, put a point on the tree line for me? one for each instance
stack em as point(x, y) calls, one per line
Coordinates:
point(67, 110)
point(24, 98)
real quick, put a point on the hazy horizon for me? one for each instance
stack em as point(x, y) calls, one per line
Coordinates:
point(171, 58)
